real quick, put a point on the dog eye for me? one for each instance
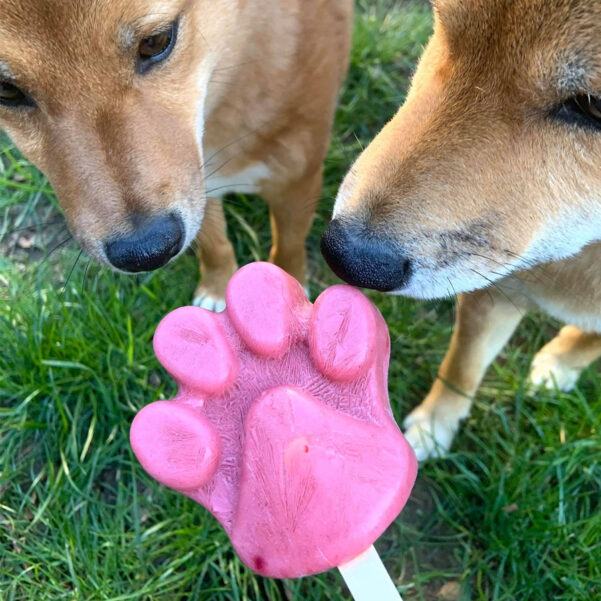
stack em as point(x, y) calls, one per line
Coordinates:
point(12, 96)
point(582, 110)
point(156, 48)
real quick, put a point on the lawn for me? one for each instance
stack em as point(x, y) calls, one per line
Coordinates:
point(513, 513)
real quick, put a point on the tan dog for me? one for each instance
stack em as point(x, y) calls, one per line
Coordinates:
point(488, 177)
point(139, 110)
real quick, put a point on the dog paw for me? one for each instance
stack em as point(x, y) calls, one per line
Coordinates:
point(429, 436)
point(548, 372)
point(281, 413)
point(210, 301)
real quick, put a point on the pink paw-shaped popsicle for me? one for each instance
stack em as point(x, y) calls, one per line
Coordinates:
point(281, 426)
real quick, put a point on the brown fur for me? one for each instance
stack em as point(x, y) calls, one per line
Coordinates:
point(479, 184)
point(114, 143)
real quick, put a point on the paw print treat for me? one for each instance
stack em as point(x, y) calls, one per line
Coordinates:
point(282, 426)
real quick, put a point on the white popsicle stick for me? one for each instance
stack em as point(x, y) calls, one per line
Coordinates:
point(368, 579)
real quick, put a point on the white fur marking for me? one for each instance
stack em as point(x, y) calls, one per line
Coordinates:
point(344, 193)
point(210, 303)
point(429, 437)
point(547, 371)
point(192, 216)
point(243, 182)
point(5, 71)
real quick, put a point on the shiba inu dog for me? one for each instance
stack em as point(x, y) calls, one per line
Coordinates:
point(488, 183)
point(144, 113)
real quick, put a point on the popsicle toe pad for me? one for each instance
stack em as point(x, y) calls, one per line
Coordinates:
point(281, 426)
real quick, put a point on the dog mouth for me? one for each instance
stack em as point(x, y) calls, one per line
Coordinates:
point(456, 272)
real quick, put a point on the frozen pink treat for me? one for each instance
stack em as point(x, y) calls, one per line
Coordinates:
point(281, 426)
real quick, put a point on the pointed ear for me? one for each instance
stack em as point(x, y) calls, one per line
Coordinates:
point(191, 344)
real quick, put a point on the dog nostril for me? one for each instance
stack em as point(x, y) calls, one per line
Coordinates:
point(153, 242)
point(364, 260)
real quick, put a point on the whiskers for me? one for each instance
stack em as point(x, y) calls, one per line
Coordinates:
point(519, 269)
point(71, 272)
point(493, 284)
point(30, 228)
point(56, 247)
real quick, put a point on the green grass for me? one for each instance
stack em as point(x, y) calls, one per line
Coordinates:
point(512, 514)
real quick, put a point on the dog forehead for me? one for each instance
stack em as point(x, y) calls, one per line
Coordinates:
point(556, 41)
point(51, 46)
point(49, 26)
point(469, 22)
point(49, 12)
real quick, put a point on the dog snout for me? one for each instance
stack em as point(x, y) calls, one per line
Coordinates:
point(151, 243)
point(364, 258)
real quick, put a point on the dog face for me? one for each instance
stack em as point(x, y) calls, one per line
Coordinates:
point(107, 98)
point(494, 162)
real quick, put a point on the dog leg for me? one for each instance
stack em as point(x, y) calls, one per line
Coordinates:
point(484, 323)
point(216, 257)
point(292, 209)
point(560, 363)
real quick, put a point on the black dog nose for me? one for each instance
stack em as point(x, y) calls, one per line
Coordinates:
point(149, 246)
point(364, 259)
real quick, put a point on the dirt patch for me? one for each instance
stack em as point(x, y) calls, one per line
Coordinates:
point(429, 550)
point(30, 234)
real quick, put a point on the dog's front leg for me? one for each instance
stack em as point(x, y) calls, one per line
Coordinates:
point(292, 208)
point(484, 322)
point(216, 258)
